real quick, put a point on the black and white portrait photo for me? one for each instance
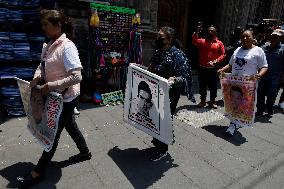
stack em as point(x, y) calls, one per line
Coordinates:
point(146, 105)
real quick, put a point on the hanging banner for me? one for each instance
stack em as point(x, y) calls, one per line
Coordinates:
point(42, 112)
point(147, 105)
point(116, 9)
point(239, 98)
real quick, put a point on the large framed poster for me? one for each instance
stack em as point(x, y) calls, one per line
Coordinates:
point(240, 97)
point(147, 104)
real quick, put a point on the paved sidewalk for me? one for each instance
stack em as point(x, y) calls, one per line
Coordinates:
point(200, 158)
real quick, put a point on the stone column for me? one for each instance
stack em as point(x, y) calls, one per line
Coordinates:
point(243, 16)
point(227, 18)
point(276, 9)
point(253, 18)
point(148, 10)
point(183, 22)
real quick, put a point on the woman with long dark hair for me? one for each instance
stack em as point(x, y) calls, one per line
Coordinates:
point(60, 71)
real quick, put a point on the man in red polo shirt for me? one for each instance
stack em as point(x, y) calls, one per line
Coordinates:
point(211, 53)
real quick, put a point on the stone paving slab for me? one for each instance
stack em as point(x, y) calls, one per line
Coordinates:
point(198, 117)
point(267, 175)
point(200, 158)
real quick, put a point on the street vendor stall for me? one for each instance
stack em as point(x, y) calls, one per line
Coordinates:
point(114, 43)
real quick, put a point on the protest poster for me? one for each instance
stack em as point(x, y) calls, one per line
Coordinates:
point(43, 113)
point(112, 98)
point(147, 105)
point(239, 98)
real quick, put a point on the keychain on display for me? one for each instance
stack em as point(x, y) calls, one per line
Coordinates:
point(114, 61)
point(98, 42)
point(136, 21)
point(102, 60)
point(95, 20)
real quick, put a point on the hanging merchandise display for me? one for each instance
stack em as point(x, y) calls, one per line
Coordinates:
point(95, 20)
point(115, 42)
point(135, 43)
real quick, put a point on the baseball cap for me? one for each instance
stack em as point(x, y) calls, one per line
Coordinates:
point(278, 32)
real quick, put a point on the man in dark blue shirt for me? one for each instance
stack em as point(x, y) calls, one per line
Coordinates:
point(269, 84)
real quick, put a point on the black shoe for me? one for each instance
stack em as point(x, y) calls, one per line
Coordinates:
point(259, 114)
point(270, 112)
point(28, 181)
point(228, 135)
point(81, 157)
point(201, 104)
point(231, 130)
point(158, 155)
point(212, 105)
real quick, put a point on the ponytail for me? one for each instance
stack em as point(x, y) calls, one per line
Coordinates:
point(68, 28)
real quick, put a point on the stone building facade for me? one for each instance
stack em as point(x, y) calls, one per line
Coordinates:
point(232, 13)
point(182, 15)
point(157, 13)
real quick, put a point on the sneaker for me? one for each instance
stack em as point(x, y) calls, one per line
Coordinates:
point(201, 104)
point(158, 156)
point(237, 126)
point(76, 112)
point(281, 105)
point(231, 130)
point(212, 105)
point(270, 111)
point(259, 114)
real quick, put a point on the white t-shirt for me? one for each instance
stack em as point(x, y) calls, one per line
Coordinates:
point(248, 61)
